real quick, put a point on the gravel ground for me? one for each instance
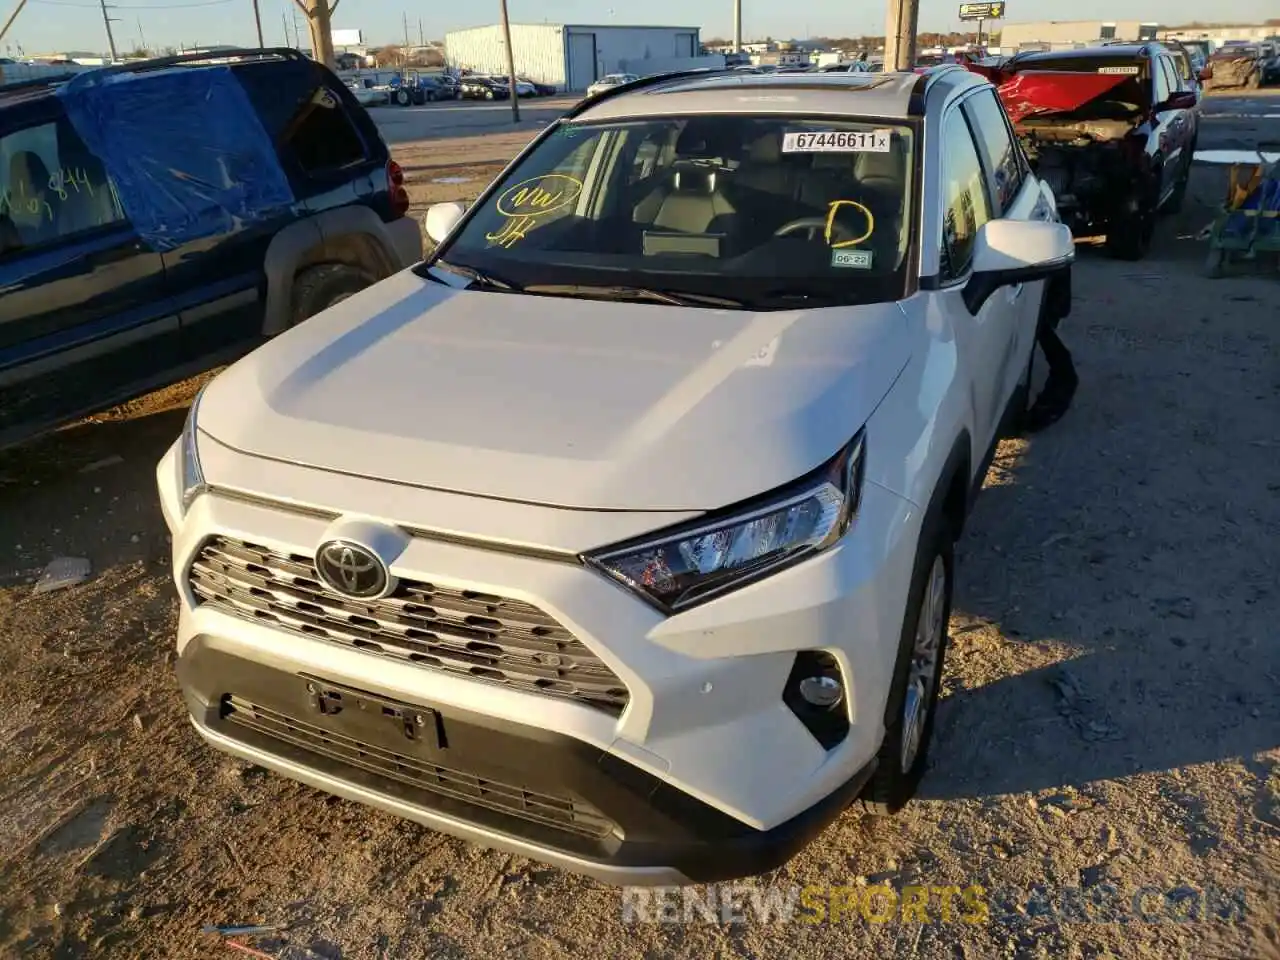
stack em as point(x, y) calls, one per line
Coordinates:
point(1110, 731)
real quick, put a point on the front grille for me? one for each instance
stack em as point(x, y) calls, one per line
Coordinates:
point(563, 813)
point(478, 635)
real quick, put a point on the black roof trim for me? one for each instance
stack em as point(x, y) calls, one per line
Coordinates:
point(916, 102)
point(21, 86)
point(159, 63)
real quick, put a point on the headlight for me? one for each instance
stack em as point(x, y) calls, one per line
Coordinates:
point(190, 476)
point(697, 562)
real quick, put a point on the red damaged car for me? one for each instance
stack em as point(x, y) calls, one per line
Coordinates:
point(1111, 129)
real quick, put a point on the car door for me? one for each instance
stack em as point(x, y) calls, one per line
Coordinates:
point(984, 341)
point(1166, 124)
point(84, 320)
point(1015, 195)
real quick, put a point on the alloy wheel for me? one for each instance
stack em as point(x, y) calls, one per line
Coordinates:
point(925, 659)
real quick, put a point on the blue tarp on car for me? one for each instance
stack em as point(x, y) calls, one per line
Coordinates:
point(184, 150)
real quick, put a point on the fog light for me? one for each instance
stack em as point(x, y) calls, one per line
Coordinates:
point(821, 691)
point(815, 694)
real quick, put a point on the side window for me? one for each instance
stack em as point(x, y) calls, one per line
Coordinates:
point(51, 188)
point(999, 148)
point(965, 203)
point(1160, 67)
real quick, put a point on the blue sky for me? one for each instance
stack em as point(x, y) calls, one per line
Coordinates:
point(77, 24)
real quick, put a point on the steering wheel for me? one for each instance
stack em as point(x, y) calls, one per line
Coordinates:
point(815, 228)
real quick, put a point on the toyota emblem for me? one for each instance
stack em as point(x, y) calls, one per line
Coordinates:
point(351, 570)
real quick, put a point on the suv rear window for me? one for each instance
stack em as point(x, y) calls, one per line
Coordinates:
point(51, 188)
point(305, 117)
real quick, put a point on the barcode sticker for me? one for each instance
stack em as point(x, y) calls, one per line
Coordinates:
point(872, 141)
point(1121, 71)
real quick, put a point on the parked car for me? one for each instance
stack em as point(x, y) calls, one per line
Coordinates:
point(367, 93)
point(415, 87)
point(668, 570)
point(1111, 129)
point(539, 89)
point(484, 88)
point(1236, 65)
point(218, 206)
point(610, 81)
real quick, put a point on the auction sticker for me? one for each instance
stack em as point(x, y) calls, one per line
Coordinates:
point(1120, 71)
point(832, 141)
point(857, 259)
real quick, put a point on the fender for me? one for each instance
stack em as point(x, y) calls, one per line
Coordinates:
point(310, 241)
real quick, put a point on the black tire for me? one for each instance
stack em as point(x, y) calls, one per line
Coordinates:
point(320, 287)
point(892, 785)
point(488, 94)
point(1129, 238)
point(403, 97)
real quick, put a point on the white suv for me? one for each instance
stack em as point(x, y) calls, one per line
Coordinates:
point(618, 534)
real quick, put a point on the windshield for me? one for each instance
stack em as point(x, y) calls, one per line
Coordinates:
point(770, 212)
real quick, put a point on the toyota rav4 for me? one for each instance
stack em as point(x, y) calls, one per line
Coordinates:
point(619, 532)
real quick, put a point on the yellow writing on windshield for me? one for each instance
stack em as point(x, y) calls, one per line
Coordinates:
point(526, 201)
point(833, 208)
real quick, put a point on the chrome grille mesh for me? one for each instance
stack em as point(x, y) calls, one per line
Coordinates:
point(478, 635)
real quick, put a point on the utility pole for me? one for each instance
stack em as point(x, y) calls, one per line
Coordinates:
point(257, 22)
point(511, 64)
point(142, 37)
point(421, 41)
point(900, 34)
point(111, 41)
point(737, 26)
point(12, 17)
point(404, 54)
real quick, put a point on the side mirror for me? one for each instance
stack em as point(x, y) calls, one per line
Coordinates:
point(1184, 100)
point(1016, 251)
point(442, 218)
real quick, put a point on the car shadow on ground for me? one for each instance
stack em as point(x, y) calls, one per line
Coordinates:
point(1156, 653)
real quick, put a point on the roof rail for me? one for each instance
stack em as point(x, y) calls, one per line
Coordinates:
point(47, 81)
point(642, 84)
point(159, 63)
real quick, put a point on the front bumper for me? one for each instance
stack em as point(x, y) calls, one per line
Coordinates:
point(705, 774)
point(514, 787)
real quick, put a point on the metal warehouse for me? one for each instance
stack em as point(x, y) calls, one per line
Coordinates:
point(1055, 33)
point(573, 56)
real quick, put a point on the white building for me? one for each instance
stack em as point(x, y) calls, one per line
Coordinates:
point(574, 56)
point(1069, 33)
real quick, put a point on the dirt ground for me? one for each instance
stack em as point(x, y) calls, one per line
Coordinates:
point(1110, 722)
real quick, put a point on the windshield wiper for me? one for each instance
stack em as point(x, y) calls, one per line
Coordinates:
point(480, 277)
point(637, 294)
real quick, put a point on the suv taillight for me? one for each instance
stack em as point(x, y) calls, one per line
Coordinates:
point(395, 187)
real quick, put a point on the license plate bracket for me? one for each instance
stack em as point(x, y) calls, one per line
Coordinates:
point(380, 720)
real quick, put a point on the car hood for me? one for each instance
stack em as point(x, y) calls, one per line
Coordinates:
point(577, 403)
point(1038, 93)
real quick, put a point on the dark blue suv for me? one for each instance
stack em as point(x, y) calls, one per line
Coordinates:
point(162, 218)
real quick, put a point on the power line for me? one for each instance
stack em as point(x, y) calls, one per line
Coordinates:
point(134, 6)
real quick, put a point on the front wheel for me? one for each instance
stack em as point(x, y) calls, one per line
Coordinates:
point(403, 97)
point(913, 698)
